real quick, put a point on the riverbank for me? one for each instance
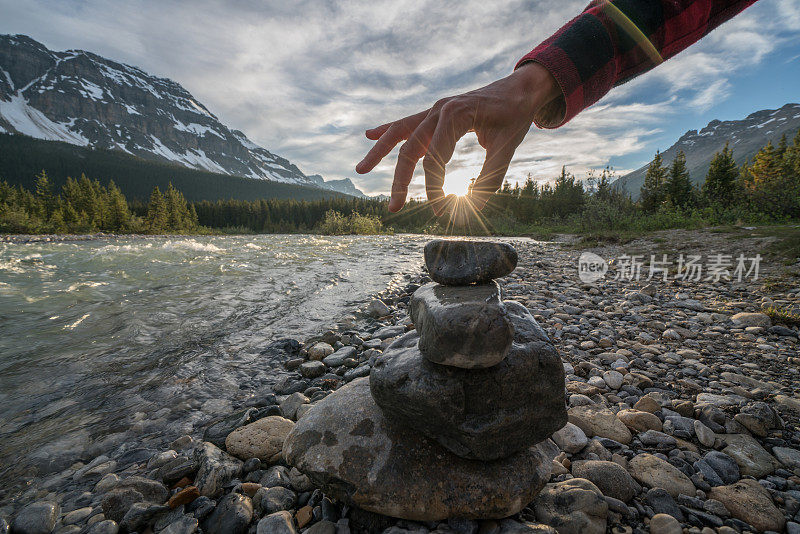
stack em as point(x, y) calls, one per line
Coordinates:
point(673, 395)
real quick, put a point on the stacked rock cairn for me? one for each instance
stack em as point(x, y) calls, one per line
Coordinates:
point(452, 421)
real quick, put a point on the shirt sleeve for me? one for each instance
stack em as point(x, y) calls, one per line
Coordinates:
point(611, 42)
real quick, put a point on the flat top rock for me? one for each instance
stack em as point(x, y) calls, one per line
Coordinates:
point(457, 262)
point(462, 326)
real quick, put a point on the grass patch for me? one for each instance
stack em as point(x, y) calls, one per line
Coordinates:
point(609, 237)
point(785, 244)
point(782, 316)
point(779, 283)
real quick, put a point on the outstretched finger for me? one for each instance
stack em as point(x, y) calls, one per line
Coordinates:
point(388, 136)
point(410, 153)
point(492, 175)
point(373, 134)
point(387, 141)
point(453, 124)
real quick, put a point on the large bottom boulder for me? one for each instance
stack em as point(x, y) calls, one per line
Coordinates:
point(347, 446)
point(483, 414)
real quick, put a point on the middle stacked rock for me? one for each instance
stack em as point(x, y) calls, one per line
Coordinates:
point(478, 376)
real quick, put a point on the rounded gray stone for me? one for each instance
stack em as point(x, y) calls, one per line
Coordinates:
point(482, 414)
point(277, 523)
point(574, 506)
point(36, 518)
point(609, 477)
point(270, 500)
point(232, 515)
point(312, 369)
point(459, 262)
point(464, 327)
point(106, 526)
point(348, 448)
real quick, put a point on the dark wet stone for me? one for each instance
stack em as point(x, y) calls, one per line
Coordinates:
point(151, 490)
point(106, 526)
point(723, 465)
point(277, 523)
point(458, 262)
point(611, 478)
point(184, 525)
point(713, 418)
point(117, 502)
point(140, 516)
point(348, 448)
point(270, 500)
point(782, 331)
point(662, 503)
point(135, 456)
point(176, 469)
point(216, 469)
point(36, 518)
point(710, 476)
point(282, 348)
point(481, 414)
point(464, 327)
point(704, 517)
point(312, 369)
point(232, 515)
point(277, 475)
point(218, 429)
point(251, 464)
point(330, 510)
point(201, 507)
point(322, 527)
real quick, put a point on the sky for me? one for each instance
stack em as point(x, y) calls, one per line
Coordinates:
point(305, 78)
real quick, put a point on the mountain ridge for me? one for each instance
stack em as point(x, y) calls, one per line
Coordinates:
point(746, 137)
point(84, 99)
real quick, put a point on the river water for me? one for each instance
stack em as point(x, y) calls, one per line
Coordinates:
point(123, 338)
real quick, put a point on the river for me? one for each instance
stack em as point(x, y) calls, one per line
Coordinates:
point(116, 339)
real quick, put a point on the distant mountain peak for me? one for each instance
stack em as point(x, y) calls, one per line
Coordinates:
point(745, 138)
point(85, 99)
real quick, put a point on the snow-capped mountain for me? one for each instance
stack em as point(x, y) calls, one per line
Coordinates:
point(84, 99)
point(746, 137)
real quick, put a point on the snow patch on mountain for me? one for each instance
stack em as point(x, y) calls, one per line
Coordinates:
point(81, 98)
point(30, 121)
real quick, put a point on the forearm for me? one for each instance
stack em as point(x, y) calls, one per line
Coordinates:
point(613, 42)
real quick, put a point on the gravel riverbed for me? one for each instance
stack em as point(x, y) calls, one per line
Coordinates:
point(682, 398)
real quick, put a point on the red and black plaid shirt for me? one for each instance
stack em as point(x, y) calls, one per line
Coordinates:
point(614, 41)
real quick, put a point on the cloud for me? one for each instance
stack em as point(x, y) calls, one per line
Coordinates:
point(306, 78)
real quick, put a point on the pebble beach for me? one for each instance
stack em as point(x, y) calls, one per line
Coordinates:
point(683, 402)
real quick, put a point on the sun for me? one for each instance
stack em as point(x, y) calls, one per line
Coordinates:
point(456, 185)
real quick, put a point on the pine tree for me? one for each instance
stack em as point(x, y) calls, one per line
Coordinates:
point(119, 214)
point(157, 211)
point(771, 183)
point(529, 188)
point(604, 186)
point(652, 193)
point(721, 181)
point(679, 186)
point(44, 196)
point(782, 146)
point(88, 202)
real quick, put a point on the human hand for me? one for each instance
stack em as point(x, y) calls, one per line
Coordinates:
point(500, 114)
